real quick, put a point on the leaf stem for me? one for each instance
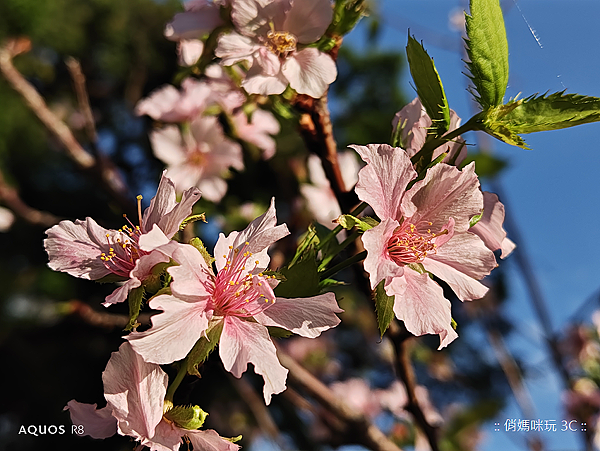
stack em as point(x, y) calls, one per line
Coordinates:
point(343, 265)
point(175, 384)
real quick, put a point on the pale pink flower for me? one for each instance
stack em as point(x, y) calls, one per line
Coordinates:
point(135, 391)
point(201, 157)
point(240, 298)
point(320, 198)
point(414, 122)
point(489, 227)
point(199, 18)
point(258, 130)
point(189, 51)
point(424, 229)
point(267, 36)
point(86, 250)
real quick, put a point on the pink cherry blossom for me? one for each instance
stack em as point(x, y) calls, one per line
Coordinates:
point(414, 122)
point(86, 250)
point(240, 298)
point(200, 158)
point(199, 18)
point(135, 394)
point(489, 227)
point(424, 229)
point(257, 130)
point(268, 34)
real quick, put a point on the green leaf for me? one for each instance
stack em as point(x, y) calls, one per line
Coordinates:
point(135, 299)
point(429, 86)
point(302, 279)
point(187, 417)
point(203, 347)
point(475, 219)
point(384, 306)
point(364, 224)
point(487, 49)
point(551, 112)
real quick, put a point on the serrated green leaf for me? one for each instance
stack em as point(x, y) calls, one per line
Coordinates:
point(302, 279)
point(384, 307)
point(429, 85)
point(551, 112)
point(135, 299)
point(203, 347)
point(487, 49)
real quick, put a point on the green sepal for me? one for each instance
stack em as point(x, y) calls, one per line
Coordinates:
point(233, 439)
point(199, 245)
point(346, 14)
point(487, 49)
point(186, 417)
point(428, 85)
point(363, 224)
point(475, 219)
point(418, 267)
point(193, 218)
point(302, 279)
point(203, 347)
point(326, 283)
point(154, 282)
point(135, 300)
point(541, 113)
point(384, 307)
point(111, 278)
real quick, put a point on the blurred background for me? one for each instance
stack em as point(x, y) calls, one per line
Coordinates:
point(529, 350)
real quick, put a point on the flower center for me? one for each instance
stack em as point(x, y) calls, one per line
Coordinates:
point(409, 245)
point(281, 43)
point(123, 247)
point(196, 158)
point(238, 290)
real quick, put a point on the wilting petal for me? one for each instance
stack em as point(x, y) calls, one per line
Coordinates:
point(424, 309)
point(489, 227)
point(378, 263)
point(445, 193)
point(461, 262)
point(307, 317)
point(244, 342)
point(382, 182)
point(98, 423)
point(173, 333)
point(135, 390)
point(209, 440)
point(310, 72)
point(308, 19)
point(75, 248)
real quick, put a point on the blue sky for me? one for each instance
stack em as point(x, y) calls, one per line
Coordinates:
point(551, 189)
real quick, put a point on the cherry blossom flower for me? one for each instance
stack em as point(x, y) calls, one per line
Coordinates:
point(414, 122)
point(199, 18)
point(257, 130)
point(86, 250)
point(200, 158)
point(489, 227)
point(320, 199)
point(135, 394)
point(268, 34)
point(424, 229)
point(239, 298)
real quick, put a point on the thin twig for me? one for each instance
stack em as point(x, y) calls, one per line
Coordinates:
point(257, 406)
point(101, 319)
point(82, 98)
point(366, 433)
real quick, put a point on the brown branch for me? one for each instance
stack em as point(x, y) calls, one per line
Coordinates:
point(82, 98)
point(101, 319)
point(400, 339)
point(366, 433)
point(317, 131)
point(101, 169)
point(10, 197)
point(256, 405)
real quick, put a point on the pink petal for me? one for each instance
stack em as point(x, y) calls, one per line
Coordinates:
point(382, 182)
point(209, 440)
point(244, 342)
point(120, 294)
point(308, 19)
point(378, 263)
point(135, 390)
point(310, 72)
point(213, 188)
point(252, 16)
point(189, 51)
point(233, 48)
point(445, 193)
point(424, 309)
point(173, 333)
point(193, 280)
point(75, 248)
point(307, 317)
point(489, 228)
point(171, 219)
point(98, 423)
point(461, 262)
point(167, 145)
point(266, 85)
point(159, 103)
point(167, 437)
point(193, 24)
